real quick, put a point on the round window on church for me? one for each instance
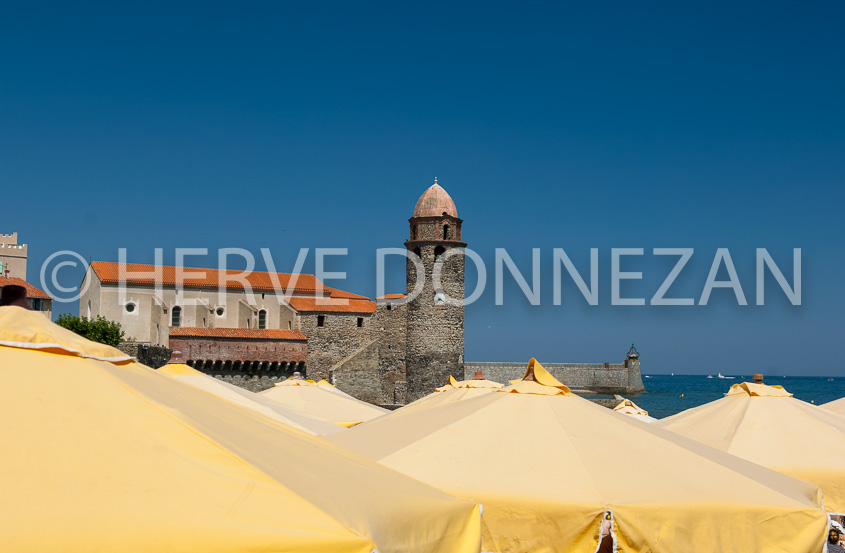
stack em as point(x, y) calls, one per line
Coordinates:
point(220, 311)
point(130, 307)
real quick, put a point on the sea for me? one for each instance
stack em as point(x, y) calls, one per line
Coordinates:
point(667, 395)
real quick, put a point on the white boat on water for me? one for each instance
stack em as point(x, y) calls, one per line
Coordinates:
point(720, 376)
point(709, 376)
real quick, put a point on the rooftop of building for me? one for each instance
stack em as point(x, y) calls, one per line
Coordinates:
point(306, 293)
point(435, 202)
point(251, 333)
point(31, 291)
point(391, 297)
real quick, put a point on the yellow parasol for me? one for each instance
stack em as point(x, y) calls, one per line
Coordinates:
point(837, 406)
point(628, 407)
point(307, 396)
point(113, 456)
point(548, 465)
point(258, 403)
point(768, 426)
point(453, 391)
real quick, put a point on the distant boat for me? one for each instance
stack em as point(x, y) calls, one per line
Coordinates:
point(647, 376)
point(709, 376)
point(720, 376)
point(830, 380)
point(671, 374)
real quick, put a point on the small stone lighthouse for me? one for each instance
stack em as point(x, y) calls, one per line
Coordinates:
point(435, 322)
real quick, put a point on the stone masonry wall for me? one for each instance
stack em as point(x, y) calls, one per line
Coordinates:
point(609, 378)
point(358, 374)
point(151, 356)
point(390, 324)
point(334, 341)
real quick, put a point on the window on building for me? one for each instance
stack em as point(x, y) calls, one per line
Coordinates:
point(446, 232)
point(176, 316)
point(220, 311)
point(262, 319)
point(438, 251)
point(36, 303)
point(321, 320)
point(413, 232)
point(130, 307)
point(360, 322)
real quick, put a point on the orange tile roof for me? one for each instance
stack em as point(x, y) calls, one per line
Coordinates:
point(31, 291)
point(391, 297)
point(109, 273)
point(266, 334)
point(332, 305)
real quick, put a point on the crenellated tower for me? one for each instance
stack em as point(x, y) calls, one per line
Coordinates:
point(435, 324)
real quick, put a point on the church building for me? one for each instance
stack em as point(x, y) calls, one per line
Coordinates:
point(385, 351)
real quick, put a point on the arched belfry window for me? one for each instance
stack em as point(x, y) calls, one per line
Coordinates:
point(176, 316)
point(262, 319)
point(446, 232)
point(413, 232)
point(438, 251)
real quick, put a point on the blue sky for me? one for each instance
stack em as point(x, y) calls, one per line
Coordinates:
point(557, 125)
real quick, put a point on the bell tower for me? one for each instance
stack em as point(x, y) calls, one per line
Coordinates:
point(435, 324)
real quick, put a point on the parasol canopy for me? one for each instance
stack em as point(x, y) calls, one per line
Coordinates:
point(258, 403)
point(837, 406)
point(766, 425)
point(628, 407)
point(548, 466)
point(453, 391)
point(109, 455)
point(309, 397)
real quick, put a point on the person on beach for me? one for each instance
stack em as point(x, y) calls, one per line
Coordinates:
point(606, 543)
point(833, 542)
point(12, 294)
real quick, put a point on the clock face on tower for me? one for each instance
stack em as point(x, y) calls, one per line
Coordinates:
point(439, 298)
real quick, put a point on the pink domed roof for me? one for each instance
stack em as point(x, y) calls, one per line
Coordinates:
point(434, 202)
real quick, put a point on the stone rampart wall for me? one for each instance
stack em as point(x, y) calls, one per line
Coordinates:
point(596, 377)
point(214, 348)
point(151, 356)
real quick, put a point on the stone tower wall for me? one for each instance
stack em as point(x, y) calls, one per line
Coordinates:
point(12, 256)
point(435, 335)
